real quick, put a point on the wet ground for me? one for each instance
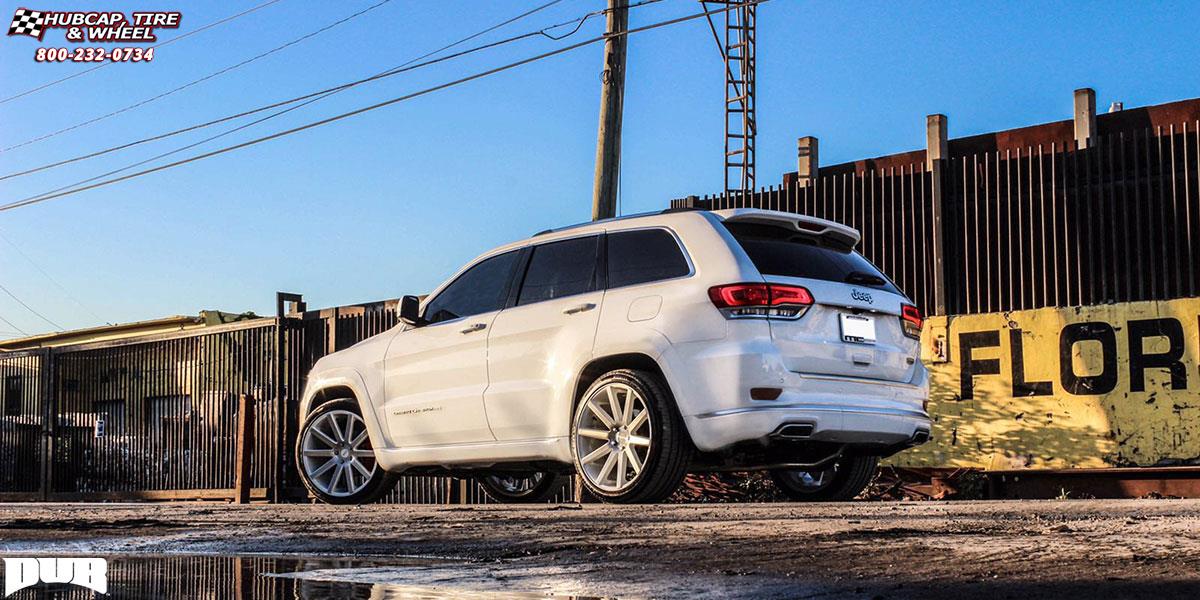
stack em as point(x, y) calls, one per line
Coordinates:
point(1010, 549)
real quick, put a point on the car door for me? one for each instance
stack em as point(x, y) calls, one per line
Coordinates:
point(435, 374)
point(536, 345)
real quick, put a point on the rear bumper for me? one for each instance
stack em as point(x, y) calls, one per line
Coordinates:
point(886, 429)
point(712, 385)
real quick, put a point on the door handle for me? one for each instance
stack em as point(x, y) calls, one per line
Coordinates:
point(473, 328)
point(586, 306)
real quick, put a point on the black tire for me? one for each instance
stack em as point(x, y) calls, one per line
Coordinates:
point(670, 449)
point(522, 488)
point(844, 480)
point(380, 483)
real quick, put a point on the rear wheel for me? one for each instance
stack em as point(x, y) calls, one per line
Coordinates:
point(628, 440)
point(843, 480)
point(522, 488)
point(335, 458)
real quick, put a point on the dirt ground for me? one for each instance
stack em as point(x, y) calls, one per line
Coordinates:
point(999, 549)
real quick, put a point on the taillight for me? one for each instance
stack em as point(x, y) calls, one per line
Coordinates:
point(741, 300)
point(910, 318)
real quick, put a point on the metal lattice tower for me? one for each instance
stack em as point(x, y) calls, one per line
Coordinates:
point(740, 125)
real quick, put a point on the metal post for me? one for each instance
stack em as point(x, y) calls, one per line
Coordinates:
point(331, 331)
point(937, 154)
point(612, 101)
point(1085, 117)
point(281, 461)
point(807, 164)
point(245, 449)
point(47, 390)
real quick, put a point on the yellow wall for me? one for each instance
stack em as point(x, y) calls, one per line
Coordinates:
point(1064, 418)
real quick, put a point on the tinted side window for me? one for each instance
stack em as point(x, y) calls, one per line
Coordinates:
point(560, 269)
point(641, 256)
point(778, 251)
point(483, 288)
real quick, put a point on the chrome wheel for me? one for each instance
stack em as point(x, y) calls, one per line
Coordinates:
point(811, 480)
point(516, 485)
point(612, 437)
point(337, 454)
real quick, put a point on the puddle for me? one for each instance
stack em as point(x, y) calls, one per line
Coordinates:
point(171, 577)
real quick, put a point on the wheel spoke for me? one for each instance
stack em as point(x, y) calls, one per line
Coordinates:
point(614, 405)
point(621, 469)
point(356, 442)
point(349, 434)
point(634, 461)
point(596, 454)
point(336, 479)
point(606, 469)
point(595, 434)
point(363, 453)
point(315, 452)
point(627, 413)
point(639, 420)
point(323, 468)
point(324, 438)
point(600, 414)
point(335, 430)
point(637, 440)
point(362, 470)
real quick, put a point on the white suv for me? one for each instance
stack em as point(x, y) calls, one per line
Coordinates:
point(631, 351)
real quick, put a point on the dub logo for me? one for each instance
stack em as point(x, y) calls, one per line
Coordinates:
point(20, 573)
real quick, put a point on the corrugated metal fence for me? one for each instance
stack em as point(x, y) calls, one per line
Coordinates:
point(156, 417)
point(1046, 225)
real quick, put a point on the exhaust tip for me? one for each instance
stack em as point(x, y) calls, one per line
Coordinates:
point(794, 431)
point(920, 437)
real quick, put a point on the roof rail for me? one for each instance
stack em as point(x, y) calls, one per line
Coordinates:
point(621, 218)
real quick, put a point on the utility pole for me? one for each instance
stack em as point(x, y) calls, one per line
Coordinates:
point(612, 101)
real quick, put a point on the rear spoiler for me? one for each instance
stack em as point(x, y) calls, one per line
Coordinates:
point(834, 232)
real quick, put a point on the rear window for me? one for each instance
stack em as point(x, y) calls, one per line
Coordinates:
point(778, 251)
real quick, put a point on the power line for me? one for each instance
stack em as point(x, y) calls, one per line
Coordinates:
point(50, 196)
point(312, 100)
point(189, 84)
point(30, 309)
point(405, 67)
point(156, 46)
point(10, 324)
point(60, 286)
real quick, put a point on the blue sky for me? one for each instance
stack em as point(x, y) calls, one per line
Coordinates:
point(391, 202)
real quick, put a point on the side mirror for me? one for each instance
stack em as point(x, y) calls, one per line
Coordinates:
point(410, 311)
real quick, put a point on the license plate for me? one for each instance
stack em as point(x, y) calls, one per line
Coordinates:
point(858, 329)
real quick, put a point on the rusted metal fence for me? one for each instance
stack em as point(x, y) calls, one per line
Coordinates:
point(157, 417)
point(21, 441)
point(1046, 225)
point(145, 418)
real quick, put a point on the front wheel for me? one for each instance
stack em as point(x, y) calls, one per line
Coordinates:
point(335, 458)
point(627, 439)
point(843, 480)
point(522, 488)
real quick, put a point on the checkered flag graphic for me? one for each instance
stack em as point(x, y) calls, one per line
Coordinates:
point(28, 22)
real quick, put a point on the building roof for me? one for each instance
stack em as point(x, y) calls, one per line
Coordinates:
point(124, 330)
